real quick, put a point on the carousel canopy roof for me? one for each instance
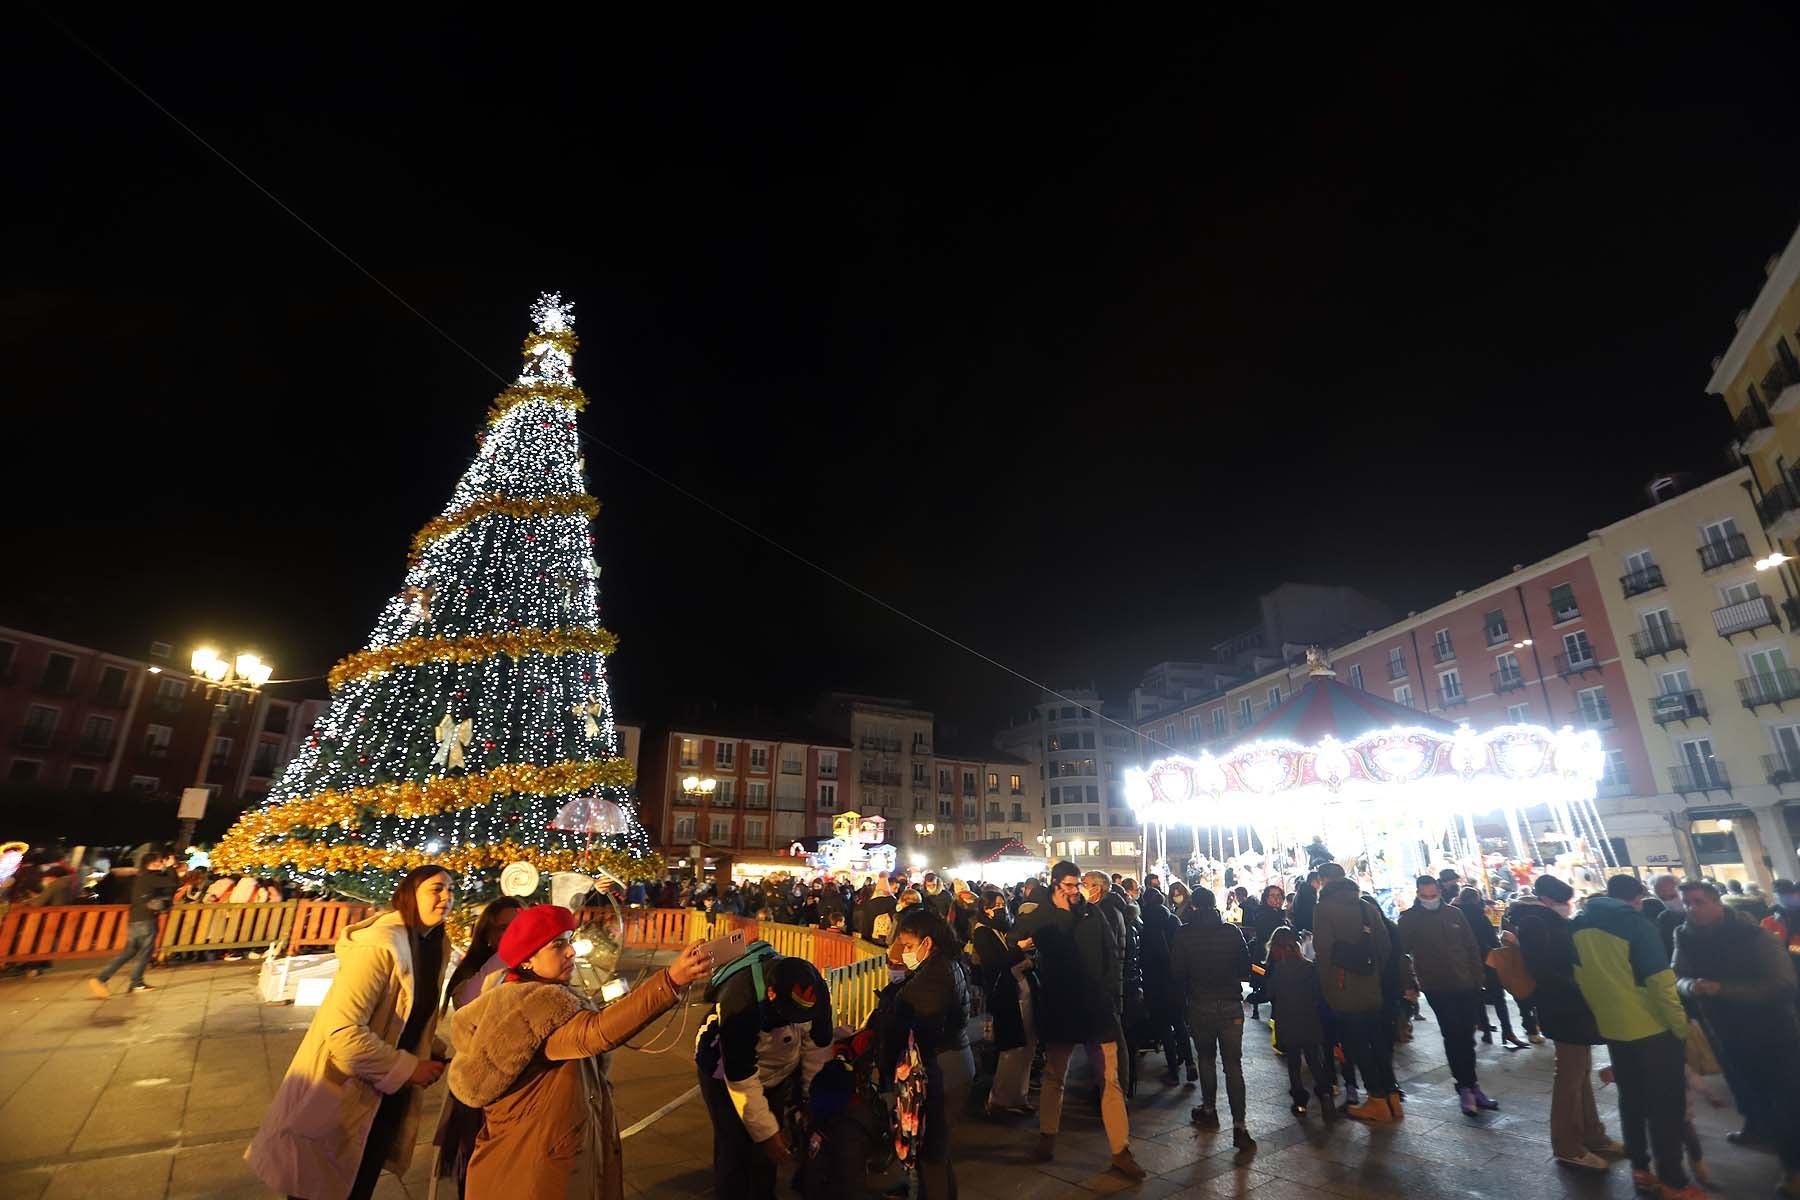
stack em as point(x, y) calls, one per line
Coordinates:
point(1326, 708)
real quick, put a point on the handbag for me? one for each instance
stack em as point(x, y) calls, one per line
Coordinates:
point(1508, 963)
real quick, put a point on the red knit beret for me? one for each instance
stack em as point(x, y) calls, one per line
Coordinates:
point(532, 930)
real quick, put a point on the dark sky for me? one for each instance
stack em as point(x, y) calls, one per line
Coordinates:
point(1069, 342)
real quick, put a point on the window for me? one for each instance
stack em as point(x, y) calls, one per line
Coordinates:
point(993, 781)
point(23, 770)
point(943, 806)
point(919, 777)
point(1093, 818)
point(690, 752)
point(1111, 769)
point(1562, 602)
point(1356, 676)
point(59, 670)
point(1697, 755)
point(1168, 735)
point(756, 794)
point(1594, 708)
point(1194, 727)
point(1787, 744)
point(1124, 849)
point(756, 832)
point(1068, 714)
point(275, 718)
point(112, 686)
point(1015, 785)
point(1056, 823)
point(828, 797)
point(1442, 646)
point(1243, 710)
point(1506, 668)
point(1639, 563)
point(1218, 722)
point(1770, 666)
point(1518, 714)
point(156, 740)
point(1673, 683)
point(1495, 625)
point(684, 828)
point(1403, 695)
point(725, 755)
point(722, 796)
point(264, 766)
point(968, 783)
point(1719, 533)
point(969, 810)
point(82, 779)
point(943, 779)
point(145, 785)
point(1577, 648)
point(1615, 774)
point(221, 749)
point(719, 831)
point(40, 725)
point(1093, 794)
point(759, 759)
point(96, 734)
point(170, 693)
point(1450, 688)
point(1396, 663)
point(827, 764)
point(921, 743)
point(789, 827)
point(1274, 697)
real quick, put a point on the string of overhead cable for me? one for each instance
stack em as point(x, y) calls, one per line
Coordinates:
point(621, 455)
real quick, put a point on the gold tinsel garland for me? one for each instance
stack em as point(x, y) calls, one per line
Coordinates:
point(519, 393)
point(444, 794)
point(563, 339)
point(516, 643)
point(500, 504)
point(317, 856)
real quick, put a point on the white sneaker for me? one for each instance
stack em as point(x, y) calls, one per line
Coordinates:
point(1587, 1160)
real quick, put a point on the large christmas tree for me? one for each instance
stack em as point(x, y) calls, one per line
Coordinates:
point(475, 728)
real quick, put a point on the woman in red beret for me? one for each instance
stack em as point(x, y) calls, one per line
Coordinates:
point(532, 1054)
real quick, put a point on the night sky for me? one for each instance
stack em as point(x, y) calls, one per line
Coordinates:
point(1067, 341)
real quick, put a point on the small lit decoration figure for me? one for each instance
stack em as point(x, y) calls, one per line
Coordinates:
point(452, 736)
point(587, 712)
point(418, 604)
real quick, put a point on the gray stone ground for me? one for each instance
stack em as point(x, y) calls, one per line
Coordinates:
point(156, 1096)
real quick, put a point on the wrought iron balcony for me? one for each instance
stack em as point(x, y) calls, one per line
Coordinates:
point(827, 770)
point(1507, 681)
point(1397, 669)
point(90, 747)
point(1782, 767)
point(881, 778)
point(1444, 651)
point(1744, 616)
point(1658, 639)
point(1686, 706)
point(1636, 583)
point(1782, 386)
point(1770, 687)
point(1581, 664)
point(884, 745)
point(1708, 777)
point(1448, 698)
point(1778, 500)
point(1751, 419)
point(1723, 552)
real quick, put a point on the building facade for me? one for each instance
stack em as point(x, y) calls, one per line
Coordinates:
point(1082, 757)
point(894, 771)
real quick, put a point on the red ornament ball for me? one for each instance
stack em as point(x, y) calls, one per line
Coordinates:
point(362, 760)
point(487, 745)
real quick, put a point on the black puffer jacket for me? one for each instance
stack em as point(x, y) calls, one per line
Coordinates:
point(1207, 966)
point(1549, 953)
point(1153, 953)
point(1128, 925)
point(932, 1004)
point(1100, 934)
point(1070, 1004)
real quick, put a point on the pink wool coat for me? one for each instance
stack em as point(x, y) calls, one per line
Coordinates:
point(311, 1140)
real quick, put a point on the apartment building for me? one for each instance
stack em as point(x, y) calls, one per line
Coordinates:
point(1081, 756)
point(63, 711)
point(980, 792)
point(738, 786)
point(892, 739)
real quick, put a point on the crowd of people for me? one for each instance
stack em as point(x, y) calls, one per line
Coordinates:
point(1677, 980)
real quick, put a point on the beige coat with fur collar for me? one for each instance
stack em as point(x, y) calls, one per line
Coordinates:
point(311, 1140)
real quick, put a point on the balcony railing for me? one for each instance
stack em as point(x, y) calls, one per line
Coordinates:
point(1396, 668)
point(1567, 665)
point(1498, 633)
point(1723, 552)
point(884, 745)
point(1769, 687)
point(1636, 583)
point(1451, 697)
point(1506, 681)
point(95, 747)
point(1658, 639)
point(880, 778)
point(1751, 419)
point(1782, 767)
point(1444, 651)
point(35, 737)
point(1670, 707)
point(1708, 777)
point(794, 767)
point(1744, 616)
point(752, 800)
point(166, 704)
point(1780, 499)
point(995, 815)
point(826, 770)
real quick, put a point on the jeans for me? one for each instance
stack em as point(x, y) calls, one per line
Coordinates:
point(1178, 1043)
point(1314, 1057)
point(1575, 1124)
point(1103, 1060)
point(740, 1166)
point(1456, 1014)
point(1652, 1102)
point(141, 940)
point(1363, 1036)
point(1228, 1040)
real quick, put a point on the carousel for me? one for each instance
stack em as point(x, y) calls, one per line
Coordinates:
point(1384, 789)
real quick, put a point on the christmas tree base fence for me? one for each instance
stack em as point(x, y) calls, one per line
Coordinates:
point(475, 726)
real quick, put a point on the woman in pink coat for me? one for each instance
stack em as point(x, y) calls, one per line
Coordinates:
point(349, 1104)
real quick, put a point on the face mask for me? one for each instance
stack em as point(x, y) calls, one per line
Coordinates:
point(911, 958)
point(1432, 905)
point(1674, 904)
point(1560, 908)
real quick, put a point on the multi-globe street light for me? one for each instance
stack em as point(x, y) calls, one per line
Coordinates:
point(244, 674)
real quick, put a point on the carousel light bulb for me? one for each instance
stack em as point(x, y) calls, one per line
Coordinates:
point(582, 947)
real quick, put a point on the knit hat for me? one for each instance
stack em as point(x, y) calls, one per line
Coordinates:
point(532, 930)
point(1553, 889)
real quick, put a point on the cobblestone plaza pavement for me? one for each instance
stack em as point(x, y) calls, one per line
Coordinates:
point(156, 1095)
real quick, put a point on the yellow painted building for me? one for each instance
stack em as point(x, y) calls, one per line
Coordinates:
point(1705, 656)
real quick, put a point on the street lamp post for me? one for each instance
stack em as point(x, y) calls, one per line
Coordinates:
point(697, 789)
point(1044, 839)
point(244, 675)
